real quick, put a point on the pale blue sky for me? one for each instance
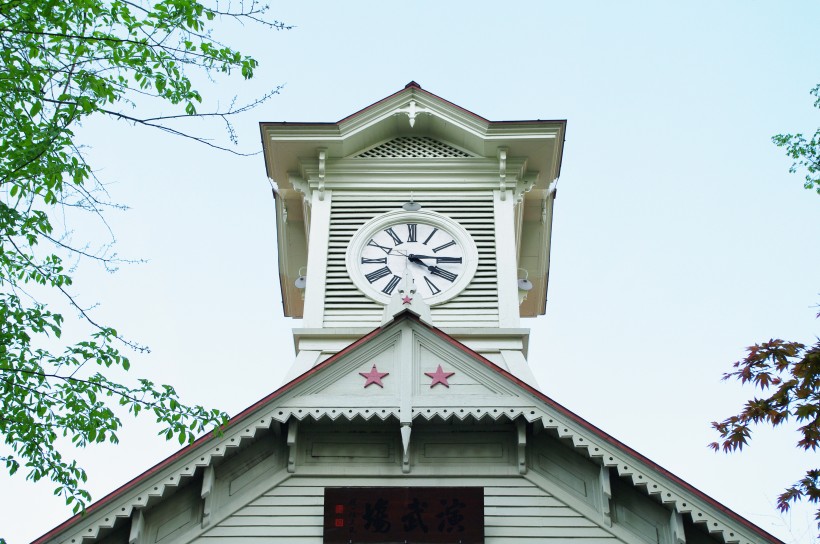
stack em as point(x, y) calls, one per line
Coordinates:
point(679, 235)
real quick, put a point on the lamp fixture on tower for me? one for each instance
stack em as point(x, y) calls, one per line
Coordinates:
point(301, 281)
point(411, 206)
point(524, 284)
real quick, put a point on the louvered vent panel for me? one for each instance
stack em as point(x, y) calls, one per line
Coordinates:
point(413, 147)
point(476, 306)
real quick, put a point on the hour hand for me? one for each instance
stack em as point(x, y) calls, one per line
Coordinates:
point(439, 260)
point(440, 272)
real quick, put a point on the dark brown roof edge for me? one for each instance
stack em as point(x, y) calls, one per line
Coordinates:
point(606, 437)
point(406, 314)
point(238, 418)
point(416, 86)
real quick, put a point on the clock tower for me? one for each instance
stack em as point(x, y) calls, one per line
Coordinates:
point(415, 185)
point(413, 236)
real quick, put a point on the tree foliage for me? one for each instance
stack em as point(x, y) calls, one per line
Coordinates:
point(805, 153)
point(789, 372)
point(63, 62)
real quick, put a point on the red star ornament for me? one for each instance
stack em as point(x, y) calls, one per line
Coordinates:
point(439, 376)
point(374, 376)
point(406, 300)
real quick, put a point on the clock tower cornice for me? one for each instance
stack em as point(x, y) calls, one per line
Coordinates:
point(410, 174)
point(539, 142)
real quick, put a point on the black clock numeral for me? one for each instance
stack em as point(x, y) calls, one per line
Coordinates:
point(394, 281)
point(444, 246)
point(365, 260)
point(446, 260)
point(431, 235)
point(376, 274)
point(385, 249)
point(394, 236)
point(411, 232)
point(446, 274)
point(433, 289)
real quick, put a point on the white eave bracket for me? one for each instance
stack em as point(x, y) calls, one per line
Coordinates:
point(293, 432)
point(606, 496)
point(521, 431)
point(322, 151)
point(208, 479)
point(137, 527)
point(406, 428)
point(502, 172)
point(525, 185)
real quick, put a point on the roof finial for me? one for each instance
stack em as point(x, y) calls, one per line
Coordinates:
point(405, 297)
point(412, 111)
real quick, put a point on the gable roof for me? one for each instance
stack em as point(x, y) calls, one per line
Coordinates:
point(541, 141)
point(520, 401)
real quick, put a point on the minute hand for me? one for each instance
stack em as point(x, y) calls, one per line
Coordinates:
point(438, 259)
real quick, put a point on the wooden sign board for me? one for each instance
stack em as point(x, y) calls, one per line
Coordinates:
point(416, 515)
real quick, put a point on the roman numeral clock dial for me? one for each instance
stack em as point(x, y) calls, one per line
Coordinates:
point(440, 255)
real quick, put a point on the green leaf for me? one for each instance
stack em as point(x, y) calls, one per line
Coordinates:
point(119, 59)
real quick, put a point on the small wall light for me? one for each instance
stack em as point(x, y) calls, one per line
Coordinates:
point(411, 206)
point(301, 281)
point(523, 283)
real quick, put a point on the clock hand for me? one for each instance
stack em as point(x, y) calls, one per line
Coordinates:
point(440, 272)
point(440, 259)
point(416, 260)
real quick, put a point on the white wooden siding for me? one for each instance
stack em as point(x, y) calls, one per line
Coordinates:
point(514, 510)
point(476, 306)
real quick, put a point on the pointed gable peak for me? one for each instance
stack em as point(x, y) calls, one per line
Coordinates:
point(447, 382)
point(415, 113)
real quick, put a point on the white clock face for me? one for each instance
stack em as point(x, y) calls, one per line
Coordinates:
point(439, 254)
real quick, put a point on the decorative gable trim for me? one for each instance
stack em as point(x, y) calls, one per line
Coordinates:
point(526, 403)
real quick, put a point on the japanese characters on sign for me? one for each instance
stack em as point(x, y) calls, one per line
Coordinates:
point(404, 514)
